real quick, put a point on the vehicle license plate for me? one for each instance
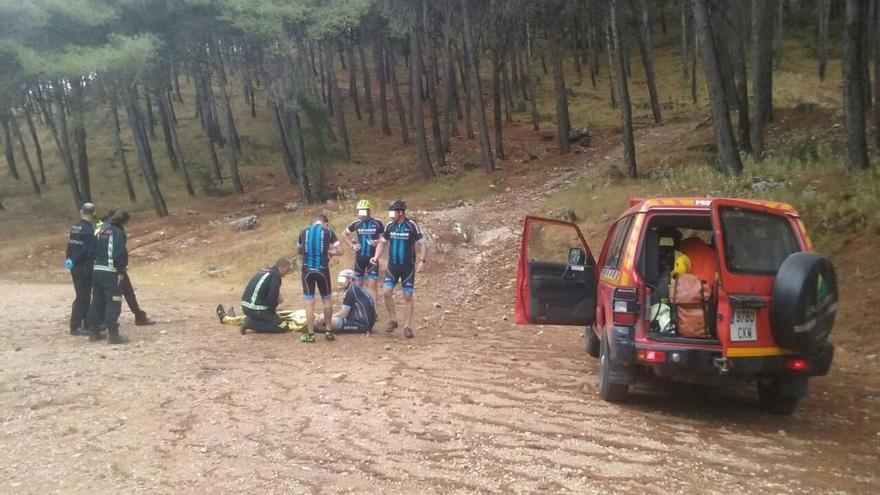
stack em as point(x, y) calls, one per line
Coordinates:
point(744, 326)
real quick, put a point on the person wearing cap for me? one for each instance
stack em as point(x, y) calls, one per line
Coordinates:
point(407, 253)
point(358, 311)
point(125, 286)
point(79, 263)
point(110, 262)
point(364, 234)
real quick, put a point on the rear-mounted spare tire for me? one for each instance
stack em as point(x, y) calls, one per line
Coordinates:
point(804, 302)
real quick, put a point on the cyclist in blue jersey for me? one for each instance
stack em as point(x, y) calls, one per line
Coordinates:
point(402, 239)
point(316, 244)
point(364, 234)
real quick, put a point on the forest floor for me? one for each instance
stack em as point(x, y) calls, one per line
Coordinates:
point(473, 404)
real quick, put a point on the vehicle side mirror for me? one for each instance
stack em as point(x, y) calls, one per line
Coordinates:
point(576, 256)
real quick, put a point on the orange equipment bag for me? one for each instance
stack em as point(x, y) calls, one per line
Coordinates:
point(689, 294)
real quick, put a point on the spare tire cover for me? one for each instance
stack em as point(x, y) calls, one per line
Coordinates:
point(804, 302)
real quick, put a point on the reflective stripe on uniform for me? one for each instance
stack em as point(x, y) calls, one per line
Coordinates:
point(102, 268)
point(255, 307)
point(110, 252)
point(257, 291)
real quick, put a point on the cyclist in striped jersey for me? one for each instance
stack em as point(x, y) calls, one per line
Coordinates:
point(402, 238)
point(316, 244)
point(364, 234)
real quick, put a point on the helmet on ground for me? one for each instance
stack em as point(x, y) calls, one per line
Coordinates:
point(347, 274)
point(364, 204)
point(682, 264)
point(397, 204)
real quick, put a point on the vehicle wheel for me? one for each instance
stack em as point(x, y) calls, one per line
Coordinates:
point(773, 400)
point(592, 341)
point(804, 302)
point(609, 391)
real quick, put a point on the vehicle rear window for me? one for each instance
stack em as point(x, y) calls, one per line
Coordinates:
point(756, 242)
point(618, 242)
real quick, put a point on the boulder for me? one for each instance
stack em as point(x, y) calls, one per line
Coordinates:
point(249, 222)
point(566, 214)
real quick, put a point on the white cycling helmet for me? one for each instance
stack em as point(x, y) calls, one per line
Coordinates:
point(345, 275)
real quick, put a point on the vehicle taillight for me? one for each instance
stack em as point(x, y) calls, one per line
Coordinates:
point(625, 306)
point(652, 356)
point(797, 364)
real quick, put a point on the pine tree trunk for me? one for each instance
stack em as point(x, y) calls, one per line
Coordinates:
point(563, 122)
point(64, 143)
point(24, 154)
point(762, 85)
point(450, 124)
point(476, 90)
point(496, 86)
point(738, 41)
point(379, 63)
point(694, 58)
point(854, 86)
point(145, 155)
point(506, 92)
point(151, 122)
point(7, 144)
point(684, 41)
point(395, 89)
point(728, 156)
point(38, 149)
point(533, 101)
point(336, 98)
point(824, 12)
point(232, 150)
point(352, 78)
point(643, 38)
point(163, 103)
point(778, 32)
point(592, 46)
point(466, 91)
point(877, 81)
point(629, 150)
point(165, 123)
point(415, 92)
point(368, 84)
point(434, 85)
point(119, 150)
point(66, 162)
point(295, 139)
point(609, 47)
point(281, 133)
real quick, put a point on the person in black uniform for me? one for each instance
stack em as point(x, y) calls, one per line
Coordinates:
point(358, 311)
point(127, 289)
point(79, 262)
point(261, 298)
point(316, 244)
point(364, 234)
point(110, 261)
point(402, 238)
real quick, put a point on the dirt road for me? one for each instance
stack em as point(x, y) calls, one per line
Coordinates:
point(472, 404)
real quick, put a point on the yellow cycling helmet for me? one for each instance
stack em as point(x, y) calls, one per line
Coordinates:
point(682, 264)
point(364, 204)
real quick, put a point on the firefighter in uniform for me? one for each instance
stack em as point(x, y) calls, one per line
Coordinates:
point(79, 262)
point(126, 288)
point(110, 262)
point(261, 298)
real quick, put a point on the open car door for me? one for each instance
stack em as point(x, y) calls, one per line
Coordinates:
point(556, 279)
